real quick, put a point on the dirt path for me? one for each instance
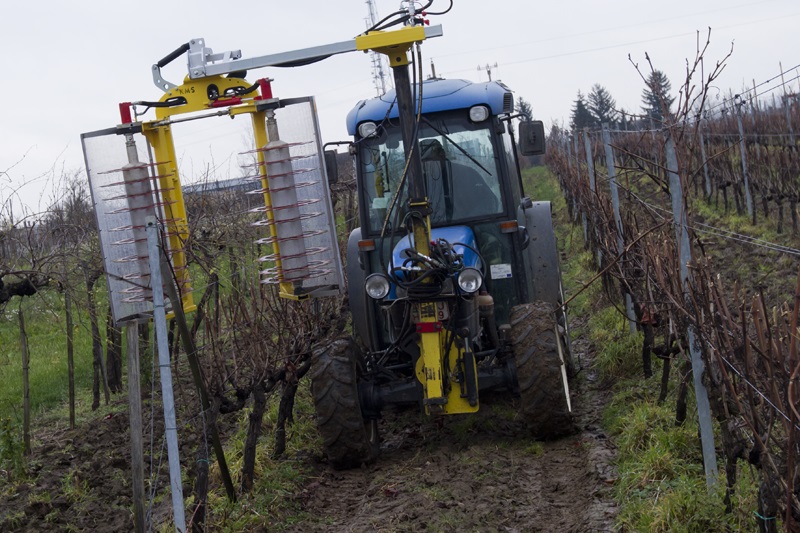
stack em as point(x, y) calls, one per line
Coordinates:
point(480, 473)
point(470, 473)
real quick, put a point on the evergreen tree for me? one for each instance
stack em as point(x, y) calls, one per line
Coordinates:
point(581, 116)
point(656, 98)
point(524, 109)
point(602, 105)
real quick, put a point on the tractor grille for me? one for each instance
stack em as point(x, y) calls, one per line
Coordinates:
point(508, 103)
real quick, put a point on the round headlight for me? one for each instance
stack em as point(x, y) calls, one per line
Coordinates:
point(470, 280)
point(478, 113)
point(377, 286)
point(367, 129)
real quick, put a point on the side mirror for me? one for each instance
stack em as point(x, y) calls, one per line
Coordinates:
point(531, 137)
point(331, 166)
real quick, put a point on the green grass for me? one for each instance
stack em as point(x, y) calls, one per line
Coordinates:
point(47, 345)
point(272, 504)
point(620, 353)
point(540, 185)
point(661, 484)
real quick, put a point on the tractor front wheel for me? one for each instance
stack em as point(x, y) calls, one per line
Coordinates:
point(541, 370)
point(349, 439)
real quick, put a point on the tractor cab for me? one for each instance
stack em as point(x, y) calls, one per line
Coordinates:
point(479, 305)
point(471, 179)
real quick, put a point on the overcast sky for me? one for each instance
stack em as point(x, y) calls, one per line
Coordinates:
point(66, 65)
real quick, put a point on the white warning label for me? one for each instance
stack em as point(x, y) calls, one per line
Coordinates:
point(501, 271)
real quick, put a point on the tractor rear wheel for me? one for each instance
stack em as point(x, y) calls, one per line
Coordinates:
point(541, 370)
point(349, 439)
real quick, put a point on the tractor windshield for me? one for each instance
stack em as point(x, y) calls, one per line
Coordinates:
point(459, 168)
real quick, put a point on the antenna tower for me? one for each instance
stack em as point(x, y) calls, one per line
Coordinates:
point(377, 60)
point(488, 68)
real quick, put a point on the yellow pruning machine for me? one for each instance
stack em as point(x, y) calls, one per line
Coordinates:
point(452, 275)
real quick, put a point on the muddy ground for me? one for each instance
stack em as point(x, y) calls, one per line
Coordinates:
point(482, 473)
point(471, 473)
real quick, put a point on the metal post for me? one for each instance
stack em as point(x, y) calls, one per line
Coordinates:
point(566, 145)
point(612, 183)
point(787, 108)
point(571, 165)
point(137, 440)
point(589, 160)
point(748, 197)
point(587, 143)
point(577, 176)
point(167, 398)
point(197, 375)
point(685, 251)
point(705, 163)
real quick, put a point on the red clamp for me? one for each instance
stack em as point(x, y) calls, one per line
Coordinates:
point(265, 85)
point(125, 112)
point(224, 102)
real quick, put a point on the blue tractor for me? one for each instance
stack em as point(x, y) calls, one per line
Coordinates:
point(453, 275)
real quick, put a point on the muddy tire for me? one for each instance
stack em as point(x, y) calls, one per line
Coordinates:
point(541, 376)
point(349, 439)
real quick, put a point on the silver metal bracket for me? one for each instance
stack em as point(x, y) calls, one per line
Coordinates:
point(160, 82)
point(200, 57)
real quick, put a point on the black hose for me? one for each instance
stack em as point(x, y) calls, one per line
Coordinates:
point(169, 58)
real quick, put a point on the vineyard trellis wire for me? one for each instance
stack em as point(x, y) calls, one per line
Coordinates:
point(743, 161)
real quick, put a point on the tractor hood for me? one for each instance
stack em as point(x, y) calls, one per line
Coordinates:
point(437, 95)
point(463, 235)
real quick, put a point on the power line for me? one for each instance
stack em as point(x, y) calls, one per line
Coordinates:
point(605, 30)
point(609, 47)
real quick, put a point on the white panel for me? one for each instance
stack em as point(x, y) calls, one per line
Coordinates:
point(298, 126)
point(123, 240)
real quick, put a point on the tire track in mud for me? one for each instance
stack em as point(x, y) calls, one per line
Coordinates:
point(479, 473)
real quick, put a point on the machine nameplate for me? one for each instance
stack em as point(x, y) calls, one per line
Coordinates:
point(430, 310)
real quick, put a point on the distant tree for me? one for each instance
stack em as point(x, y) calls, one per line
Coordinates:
point(602, 105)
point(625, 119)
point(581, 116)
point(524, 109)
point(656, 99)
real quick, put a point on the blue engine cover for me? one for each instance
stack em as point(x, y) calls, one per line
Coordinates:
point(437, 95)
point(452, 234)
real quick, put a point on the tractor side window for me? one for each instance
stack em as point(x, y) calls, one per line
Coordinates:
point(382, 169)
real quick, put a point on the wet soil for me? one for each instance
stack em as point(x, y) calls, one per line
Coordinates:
point(477, 473)
point(79, 481)
point(467, 473)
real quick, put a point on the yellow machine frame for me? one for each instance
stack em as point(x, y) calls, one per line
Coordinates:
point(435, 368)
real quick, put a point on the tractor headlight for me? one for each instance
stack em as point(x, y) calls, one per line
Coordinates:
point(377, 286)
point(470, 280)
point(367, 129)
point(478, 113)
